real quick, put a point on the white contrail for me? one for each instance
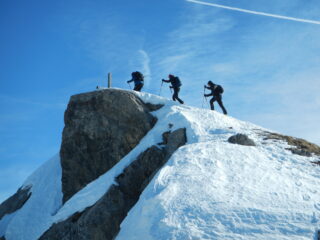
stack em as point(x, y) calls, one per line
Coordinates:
point(254, 12)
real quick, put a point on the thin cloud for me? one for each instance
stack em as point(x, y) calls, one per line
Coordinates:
point(252, 65)
point(145, 66)
point(255, 12)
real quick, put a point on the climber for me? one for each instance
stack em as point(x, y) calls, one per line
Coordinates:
point(216, 91)
point(137, 78)
point(175, 84)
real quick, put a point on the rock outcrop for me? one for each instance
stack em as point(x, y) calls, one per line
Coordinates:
point(241, 139)
point(101, 127)
point(15, 202)
point(299, 146)
point(102, 220)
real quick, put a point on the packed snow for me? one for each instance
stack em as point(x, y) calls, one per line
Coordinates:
point(209, 188)
point(29, 222)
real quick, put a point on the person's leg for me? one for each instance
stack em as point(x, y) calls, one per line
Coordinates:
point(176, 95)
point(219, 100)
point(138, 87)
point(211, 103)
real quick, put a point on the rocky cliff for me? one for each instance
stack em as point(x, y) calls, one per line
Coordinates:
point(111, 153)
point(102, 221)
point(101, 127)
point(15, 202)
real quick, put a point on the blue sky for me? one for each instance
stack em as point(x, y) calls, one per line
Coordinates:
point(51, 50)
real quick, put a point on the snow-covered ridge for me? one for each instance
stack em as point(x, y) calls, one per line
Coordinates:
point(209, 189)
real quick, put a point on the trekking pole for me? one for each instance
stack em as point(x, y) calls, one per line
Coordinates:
point(204, 92)
point(207, 103)
point(160, 88)
point(129, 86)
point(202, 102)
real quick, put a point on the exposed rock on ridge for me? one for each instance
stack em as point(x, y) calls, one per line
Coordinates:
point(15, 202)
point(299, 146)
point(241, 139)
point(101, 127)
point(102, 221)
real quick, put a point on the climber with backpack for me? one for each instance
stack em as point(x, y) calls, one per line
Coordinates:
point(216, 92)
point(175, 84)
point(138, 79)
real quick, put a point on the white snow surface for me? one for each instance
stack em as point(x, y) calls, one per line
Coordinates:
point(209, 188)
point(29, 221)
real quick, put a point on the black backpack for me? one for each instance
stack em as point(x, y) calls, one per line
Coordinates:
point(138, 76)
point(219, 89)
point(177, 82)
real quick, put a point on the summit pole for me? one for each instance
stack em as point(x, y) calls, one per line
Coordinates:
point(109, 79)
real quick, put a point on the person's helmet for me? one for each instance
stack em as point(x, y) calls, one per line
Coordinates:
point(210, 83)
point(170, 76)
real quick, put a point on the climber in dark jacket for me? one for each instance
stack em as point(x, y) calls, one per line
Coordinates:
point(216, 92)
point(175, 84)
point(138, 79)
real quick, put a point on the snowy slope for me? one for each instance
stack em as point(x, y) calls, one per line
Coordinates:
point(209, 189)
point(28, 222)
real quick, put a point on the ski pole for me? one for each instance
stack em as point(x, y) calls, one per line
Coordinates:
point(129, 86)
point(160, 88)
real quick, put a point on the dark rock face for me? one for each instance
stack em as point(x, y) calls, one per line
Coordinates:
point(15, 202)
point(101, 127)
point(241, 139)
point(2, 238)
point(135, 177)
point(153, 107)
point(301, 152)
point(102, 221)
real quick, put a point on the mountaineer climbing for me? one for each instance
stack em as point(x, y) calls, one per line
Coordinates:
point(137, 78)
point(175, 84)
point(216, 92)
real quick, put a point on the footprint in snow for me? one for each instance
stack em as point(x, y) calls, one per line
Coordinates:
point(278, 168)
point(298, 184)
point(314, 218)
point(317, 206)
point(306, 197)
point(313, 191)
